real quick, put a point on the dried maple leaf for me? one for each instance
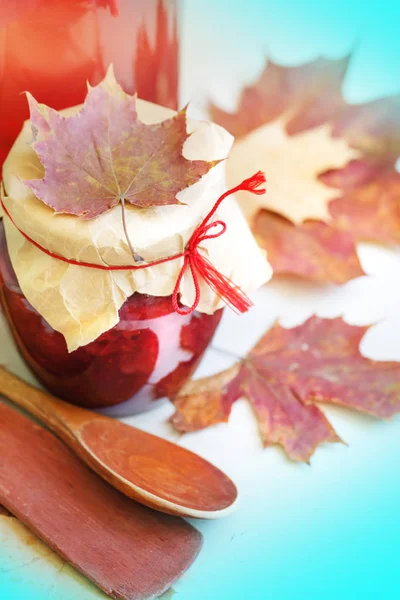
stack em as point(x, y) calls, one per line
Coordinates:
point(279, 124)
point(285, 374)
point(369, 206)
point(104, 155)
point(373, 128)
point(313, 249)
point(308, 95)
point(370, 211)
point(284, 127)
point(293, 165)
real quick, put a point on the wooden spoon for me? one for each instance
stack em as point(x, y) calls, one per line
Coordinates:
point(147, 468)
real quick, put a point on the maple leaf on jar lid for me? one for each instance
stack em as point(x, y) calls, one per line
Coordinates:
point(104, 155)
point(284, 377)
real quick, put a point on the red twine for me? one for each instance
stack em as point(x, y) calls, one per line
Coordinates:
point(198, 264)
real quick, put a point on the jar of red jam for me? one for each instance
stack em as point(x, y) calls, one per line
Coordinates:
point(103, 324)
point(148, 355)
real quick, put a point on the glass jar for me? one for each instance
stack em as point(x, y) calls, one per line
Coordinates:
point(53, 47)
point(149, 354)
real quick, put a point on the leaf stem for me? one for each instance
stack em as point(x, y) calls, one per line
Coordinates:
point(136, 257)
point(226, 352)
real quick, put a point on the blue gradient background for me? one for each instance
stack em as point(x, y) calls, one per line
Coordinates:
point(330, 531)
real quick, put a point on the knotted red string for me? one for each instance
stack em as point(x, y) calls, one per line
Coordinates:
point(198, 264)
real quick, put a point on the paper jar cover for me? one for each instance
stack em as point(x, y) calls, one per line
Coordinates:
point(81, 302)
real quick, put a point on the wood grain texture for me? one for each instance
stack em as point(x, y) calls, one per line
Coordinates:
point(129, 551)
point(169, 472)
point(144, 467)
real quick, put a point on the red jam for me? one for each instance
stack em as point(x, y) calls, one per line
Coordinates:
point(149, 354)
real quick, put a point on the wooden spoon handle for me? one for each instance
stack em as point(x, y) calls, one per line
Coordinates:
point(41, 405)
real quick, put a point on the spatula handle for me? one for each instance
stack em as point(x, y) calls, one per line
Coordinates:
point(39, 404)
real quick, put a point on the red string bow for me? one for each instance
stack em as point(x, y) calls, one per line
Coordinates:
point(198, 264)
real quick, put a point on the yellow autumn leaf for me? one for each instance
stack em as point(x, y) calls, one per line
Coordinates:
point(292, 165)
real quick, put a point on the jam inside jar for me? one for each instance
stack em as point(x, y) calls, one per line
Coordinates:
point(149, 354)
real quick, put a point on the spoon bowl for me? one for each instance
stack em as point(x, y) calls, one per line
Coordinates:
point(145, 467)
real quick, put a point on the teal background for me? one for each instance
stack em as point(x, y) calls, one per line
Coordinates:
point(329, 531)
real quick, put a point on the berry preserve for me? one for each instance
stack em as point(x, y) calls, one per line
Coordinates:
point(149, 354)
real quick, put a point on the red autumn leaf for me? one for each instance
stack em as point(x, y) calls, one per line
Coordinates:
point(370, 205)
point(369, 208)
point(104, 155)
point(373, 127)
point(312, 249)
point(309, 95)
point(365, 198)
point(371, 212)
point(285, 375)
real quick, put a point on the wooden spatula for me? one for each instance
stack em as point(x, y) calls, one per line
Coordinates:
point(128, 550)
point(147, 468)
